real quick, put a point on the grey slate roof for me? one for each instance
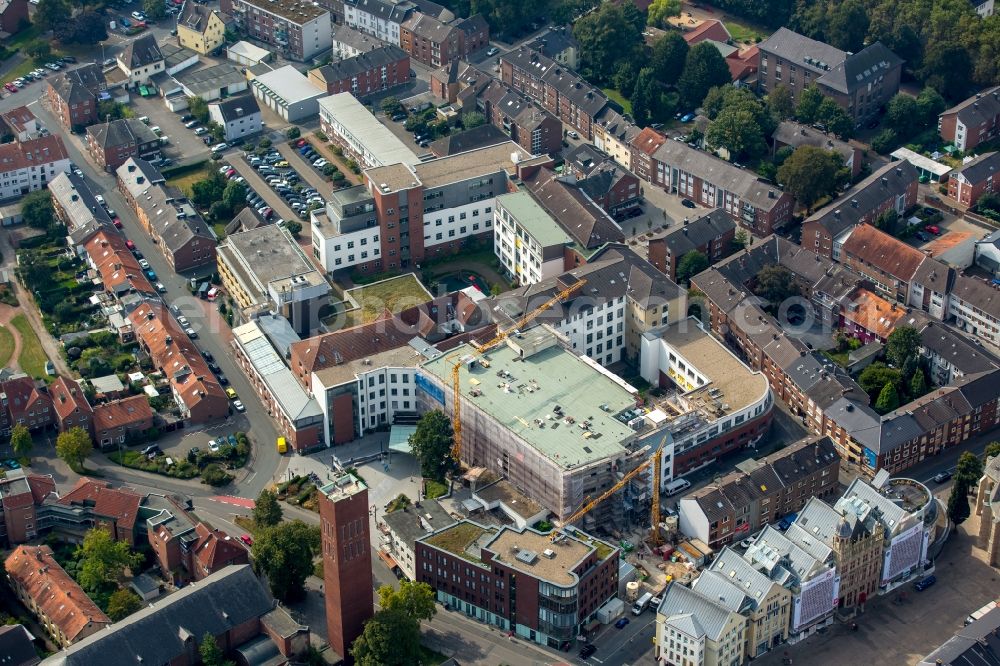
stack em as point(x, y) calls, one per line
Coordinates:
point(200, 81)
point(121, 132)
point(710, 617)
point(716, 585)
point(163, 205)
point(956, 349)
point(751, 582)
point(554, 42)
point(237, 107)
point(195, 16)
point(80, 84)
point(569, 85)
point(790, 45)
point(368, 61)
point(847, 211)
point(586, 222)
point(477, 137)
point(698, 232)
point(980, 108)
point(978, 293)
point(981, 168)
point(157, 634)
point(795, 135)
point(140, 52)
point(975, 645)
point(411, 523)
point(16, 648)
point(862, 68)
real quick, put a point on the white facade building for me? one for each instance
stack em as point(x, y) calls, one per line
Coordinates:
point(452, 224)
point(239, 117)
point(337, 251)
point(26, 166)
point(975, 305)
point(350, 124)
point(287, 92)
point(530, 245)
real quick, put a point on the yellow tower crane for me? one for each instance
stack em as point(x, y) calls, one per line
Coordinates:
point(456, 364)
point(654, 535)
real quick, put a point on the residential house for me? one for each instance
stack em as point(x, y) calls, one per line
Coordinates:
point(21, 123)
point(365, 74)
point(696, 629)
point(975, 305)
point(710, 29)
point(21, 495)
point(111, 144)
point(117, 267)
point(401, 528)
point(984, 8)
point(59, 603)
point(13, 16)
point(756, 205)
point(792, 134)
point(117, 422)
point(642, 146)
point(529, 126)
point(987, 253)
point(301, 31)
point(167, 216)
point(115, 510)
point(883, 260)
point(530, 245)
point(861, 83)
point(72, 95)
point(974, 179)
point(613, 134)
point(141, 60)
point(870, 318)
point(431, 42)
point(25, 403)
point(972, 121)
point(71, 406)
point(180, 542)
point(760, 492)
point(231, 605)
point(348, 42)
point(892, 187)
point(27, 166)
point(75, 206)
point(560, 91)
point(18, 646)
point(200, 28)
point(239, 116)
point(558, 44)
point(951, 355)
point(193, 387)
point(711, 234)
point(608, 184)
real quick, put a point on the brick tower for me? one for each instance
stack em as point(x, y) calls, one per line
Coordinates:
point(347, 564)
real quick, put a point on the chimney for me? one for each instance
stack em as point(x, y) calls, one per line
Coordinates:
point(770, 194)
point(836, 213)
point(899, 171)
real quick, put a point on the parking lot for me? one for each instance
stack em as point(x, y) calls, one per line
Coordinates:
point(282, 189)
point(184, 146)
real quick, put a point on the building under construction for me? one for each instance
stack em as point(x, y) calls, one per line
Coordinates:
point(559, 426)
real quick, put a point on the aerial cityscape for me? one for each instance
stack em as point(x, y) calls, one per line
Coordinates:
point(499, 332)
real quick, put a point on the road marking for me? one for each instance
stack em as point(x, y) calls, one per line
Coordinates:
point(235, 501)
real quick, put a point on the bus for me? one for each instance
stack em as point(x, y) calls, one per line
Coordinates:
point(282, 445)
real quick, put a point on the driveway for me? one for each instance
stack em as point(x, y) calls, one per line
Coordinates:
point(306, 171)
point(184, 146)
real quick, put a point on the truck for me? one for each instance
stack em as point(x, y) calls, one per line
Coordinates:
point(611, 611)
point(676, 486)
point(641, 604)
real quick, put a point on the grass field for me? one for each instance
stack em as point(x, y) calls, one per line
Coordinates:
point(32, 358)
point(744, 33)
point(185, 180)
point(616, 96)
point(6, 345)
point(394, 294)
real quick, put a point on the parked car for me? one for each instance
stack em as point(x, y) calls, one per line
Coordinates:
point(493, 51)
point(687, 117)
point(199, 131)
point(231, 392)
point(129, 244)
point(99, 199)
point(924, 583)
point(922, 237)
point(941, 477)
point(621, 623)
point(214, 446)
point(572, 134)
point(238, 406)
point(11, 87)
point(191, 333)
point(143, 264)
point(247, 539)
point(587, 650)
point(934, 229)
point(160, 287)
point(219, 147)
point(687, 203)
point(138, 16)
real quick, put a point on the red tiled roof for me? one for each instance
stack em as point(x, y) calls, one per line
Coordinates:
point(215, 548)
point(18, 117)
point(648, 140)
point(889, 255)
point(32, 153)
point(116, 503)
point(116, 263)
point(41, 487)
point(743, 63)
point(126, 412)
point(710, 29)
point(874, 314)
point(68, 397)
point(56, 595)
point(22, 396)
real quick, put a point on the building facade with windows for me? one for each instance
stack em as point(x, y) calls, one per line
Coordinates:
point(367, 73)
point(972, 121)
point(530, 245)
point(27, 166)
point(301, 30)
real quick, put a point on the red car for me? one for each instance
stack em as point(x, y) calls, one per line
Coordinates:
point(933, 228)
point(130, 245)
point(247, 539)
point(11, 87)
point(230, 173)
point(117, 223)
point(300, 143)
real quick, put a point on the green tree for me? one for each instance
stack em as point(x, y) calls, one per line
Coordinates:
point(737, 131)
point(154, 9)
point(294, 226)
point(876, 376)
point(473, 119)
point(704, 69)
point(210, 652)
point(918, 384)
point(293, 133)
point(808, 107)
point(992, 450)
point(198, 108)
point(969, 468)
point(835, 119)
point(930, 104)
point(780, 102)
point(234, 196)
point(39, 49)
point(810, 173)
point(660, 10)
point(52, 13)
point(391, 106)
point(390, 638)
point(667, 59)
point(210, 190)
point(266, 510)
point(122, 603)
point(888, 399)
point(284, 553)
point(413, 599)
point(741, 239)
point(432, 443)
point(20, 440)
point(887, 222)
point(885, 141)
point(104, 561)
point(775, 283)
point(902, 343)
point(73, 446)
point(900, 114)
point(644, 97)
point(606, 37)
point(36, 209)
point(948, 68)
point(847, 26)
point(958, 502)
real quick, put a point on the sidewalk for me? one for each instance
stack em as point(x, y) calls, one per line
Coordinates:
point(326, 150)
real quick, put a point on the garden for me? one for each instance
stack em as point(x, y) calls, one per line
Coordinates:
point(393, 294)
point(100, 353)
point(57, 279)
point(31, 358)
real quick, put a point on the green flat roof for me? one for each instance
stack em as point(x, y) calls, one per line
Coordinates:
point(539, 382)
point(534, 219)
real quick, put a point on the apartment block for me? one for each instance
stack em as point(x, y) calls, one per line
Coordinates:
point(537, 131)
point(118, 421)
point(888, 264)
point(861, 83)
point(30, 165)
point(350, 125)
point(609, 184)
point(301, 30)
point(711, 234)
point(530, 245)
point(696, 629)
point(519, 580)
point(972, 121)
point(113, 143)
point(754, 204)
point(367, 73)
point(72, 95)
point(974, 179)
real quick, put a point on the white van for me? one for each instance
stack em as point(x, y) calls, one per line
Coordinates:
point(676, 486)
point(641, 604)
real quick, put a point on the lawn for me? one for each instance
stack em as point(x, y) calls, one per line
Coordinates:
point(6, 345)
point(840, 358)
point(395, 294)
point(744, 33)
point(31, 359)
point(188, 178)
point(616, 96)
point(456, 539)
point(434, 489)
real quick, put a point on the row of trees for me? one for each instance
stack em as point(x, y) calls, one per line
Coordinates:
point(71, 24)
point(223, 198)
point(907, 116)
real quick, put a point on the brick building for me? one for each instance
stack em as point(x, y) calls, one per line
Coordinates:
point(974, 179)
point(13, 16)
point(370, 72)
point(184, 546)
point(113, 509)
point(72, 95)
point(20, 496)
point(529, 126)
point(711, 234)
point(972, 121)
point(520, 581)
point(24, 403)
point(117, 422)
point(610, 185)
point(643, 146)
point(111, 144)
point(300, 30)
point(70, 405)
